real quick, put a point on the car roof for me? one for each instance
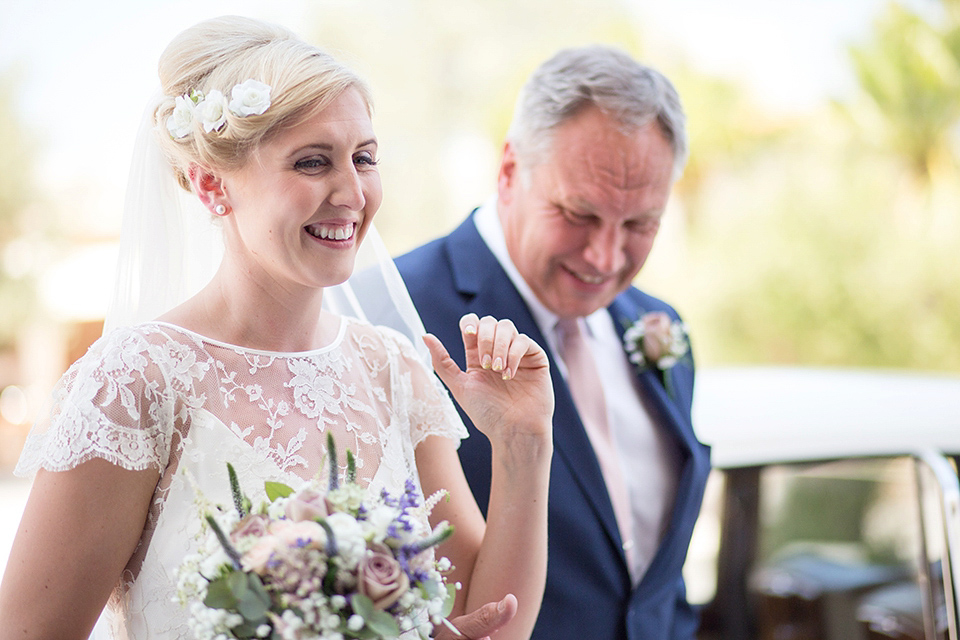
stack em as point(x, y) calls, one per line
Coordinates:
point(759, 415)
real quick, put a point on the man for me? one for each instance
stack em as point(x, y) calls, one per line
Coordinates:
point(594, 147)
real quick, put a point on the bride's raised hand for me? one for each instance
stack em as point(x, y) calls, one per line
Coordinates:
point(506, 387)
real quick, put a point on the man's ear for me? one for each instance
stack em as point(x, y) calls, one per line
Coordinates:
point(209, 189)
point(508, 175)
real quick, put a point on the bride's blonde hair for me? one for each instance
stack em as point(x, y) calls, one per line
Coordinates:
point(216, 55)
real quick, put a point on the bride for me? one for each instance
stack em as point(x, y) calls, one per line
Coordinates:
point(274, 138)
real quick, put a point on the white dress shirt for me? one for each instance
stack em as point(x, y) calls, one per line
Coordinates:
point(648, 456)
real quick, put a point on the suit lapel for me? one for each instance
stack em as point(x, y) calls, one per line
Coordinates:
point(676, 420)
point(480, 279)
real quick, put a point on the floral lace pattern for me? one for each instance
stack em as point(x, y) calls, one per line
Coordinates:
point(159, 396)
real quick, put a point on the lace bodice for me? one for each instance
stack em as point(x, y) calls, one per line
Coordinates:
point(156, 395)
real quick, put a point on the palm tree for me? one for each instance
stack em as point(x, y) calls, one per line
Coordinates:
point(910, 73)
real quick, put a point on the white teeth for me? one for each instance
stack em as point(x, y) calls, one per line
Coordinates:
point(326, 232)
point(588, 279)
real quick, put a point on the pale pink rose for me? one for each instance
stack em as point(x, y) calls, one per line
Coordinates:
point(255, 524)
point(381, 578)
point(304, 534)
point(656, 335)
point(307, 504)
point(257, 557)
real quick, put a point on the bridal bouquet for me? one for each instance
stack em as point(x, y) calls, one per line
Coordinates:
point(312, 564)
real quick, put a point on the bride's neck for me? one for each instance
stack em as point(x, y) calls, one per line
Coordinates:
point(240, 310)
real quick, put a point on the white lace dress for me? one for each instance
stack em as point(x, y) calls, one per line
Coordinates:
point(159, 396)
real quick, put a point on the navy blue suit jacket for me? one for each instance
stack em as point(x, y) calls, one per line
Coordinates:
point(589, 592)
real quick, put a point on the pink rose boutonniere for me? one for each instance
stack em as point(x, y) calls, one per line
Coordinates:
point(656, 341)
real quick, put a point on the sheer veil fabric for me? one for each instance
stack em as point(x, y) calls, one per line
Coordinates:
point(170, 247)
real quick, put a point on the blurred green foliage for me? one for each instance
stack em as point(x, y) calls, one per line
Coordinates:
point(831, 238)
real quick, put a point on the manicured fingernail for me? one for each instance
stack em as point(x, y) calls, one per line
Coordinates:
point(507, 375)
point(485, 362)
point(470, 329)
point(502, 605)
point(498, 365)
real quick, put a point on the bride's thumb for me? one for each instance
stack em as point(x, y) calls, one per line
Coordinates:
point(443, 364)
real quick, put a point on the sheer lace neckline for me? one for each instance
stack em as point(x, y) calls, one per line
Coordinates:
point(341, 331)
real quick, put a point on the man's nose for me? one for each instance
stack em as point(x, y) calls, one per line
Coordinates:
point(604, 250)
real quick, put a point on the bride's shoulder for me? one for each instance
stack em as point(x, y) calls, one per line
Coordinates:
point(129, 344)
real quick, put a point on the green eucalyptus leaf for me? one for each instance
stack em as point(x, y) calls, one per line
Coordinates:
point(238, 584)
point(451, 598)
point(255, 602)
point(219, 594)
point(380, 622)
point(276, 490)
point(247, 629)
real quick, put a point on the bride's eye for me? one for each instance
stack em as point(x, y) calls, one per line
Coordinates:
point(365, 158)
point(313, 163)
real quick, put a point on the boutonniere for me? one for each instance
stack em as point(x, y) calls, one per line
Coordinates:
point(656, 341)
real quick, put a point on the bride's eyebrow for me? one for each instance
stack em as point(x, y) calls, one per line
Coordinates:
point(326, 146)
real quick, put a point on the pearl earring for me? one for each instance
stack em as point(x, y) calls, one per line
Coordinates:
point(220, 209)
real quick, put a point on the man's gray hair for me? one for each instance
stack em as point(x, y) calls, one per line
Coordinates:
point(596, 76)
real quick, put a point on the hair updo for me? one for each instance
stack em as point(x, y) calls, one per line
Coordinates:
point(218, 54)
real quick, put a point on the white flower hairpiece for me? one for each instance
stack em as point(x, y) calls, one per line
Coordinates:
point(249, 98)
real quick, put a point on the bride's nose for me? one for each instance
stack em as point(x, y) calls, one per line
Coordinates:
point(347, 190)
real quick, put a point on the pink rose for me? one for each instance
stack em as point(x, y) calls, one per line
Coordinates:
point(381, 578)
point(307, 504)
point(257, 557)
point(656, 335)
point(304, 534)
point(254, 524)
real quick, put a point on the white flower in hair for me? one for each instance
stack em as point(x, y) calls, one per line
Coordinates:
point(250, 98)
point(180, 122)
point(212, 111)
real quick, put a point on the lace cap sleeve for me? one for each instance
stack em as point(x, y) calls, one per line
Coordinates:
point(428, 402)
point(119, 402)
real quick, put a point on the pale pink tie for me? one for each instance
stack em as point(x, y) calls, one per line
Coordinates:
point(584, 383)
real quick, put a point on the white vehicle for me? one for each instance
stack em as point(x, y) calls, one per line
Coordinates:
point(833, 512)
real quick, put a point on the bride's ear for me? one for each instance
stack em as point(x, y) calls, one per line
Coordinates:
point(209, 189)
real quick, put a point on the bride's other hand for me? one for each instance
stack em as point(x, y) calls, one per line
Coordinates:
point(481, 623)
point(506, 388)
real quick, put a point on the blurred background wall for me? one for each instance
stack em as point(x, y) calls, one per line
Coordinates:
point(817, 221)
